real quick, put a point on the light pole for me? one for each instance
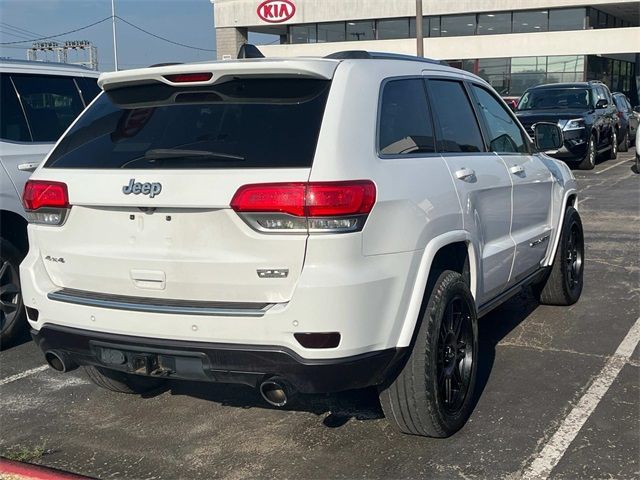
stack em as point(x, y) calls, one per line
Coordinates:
point(419, 35)
point(113, 25)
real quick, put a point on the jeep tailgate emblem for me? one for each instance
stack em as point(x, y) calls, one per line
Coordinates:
point(137, 188)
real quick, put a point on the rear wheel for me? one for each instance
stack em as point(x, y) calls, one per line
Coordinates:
point(122, 382)
point(433, 394)
point(613, 151)
point(12, 316)
point(589, 160)
point(626, 142)
point(563, 285)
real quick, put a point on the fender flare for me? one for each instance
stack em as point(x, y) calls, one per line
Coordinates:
point(420, 282)
point(556, 237)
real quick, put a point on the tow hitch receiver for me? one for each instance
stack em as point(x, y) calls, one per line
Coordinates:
point(139, 363)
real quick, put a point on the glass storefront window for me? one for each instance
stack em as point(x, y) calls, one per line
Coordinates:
point(567, 19)
point(496, 72)
point(531, 21)
point(563, 64)
point(493, 23)
point(457, 25)
point(528, 64)
point(303, 33)
point(393, 28)
point(331, 32)
point(361, 30)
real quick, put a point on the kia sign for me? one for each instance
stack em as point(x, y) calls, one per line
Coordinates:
point(276, 11)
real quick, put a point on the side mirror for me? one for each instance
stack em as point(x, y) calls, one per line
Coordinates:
point(602, 103)
point(547, 136)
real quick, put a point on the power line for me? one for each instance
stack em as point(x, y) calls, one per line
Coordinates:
point(12, 34)
point(163, 38)
point(21, 30)
point(59, 34)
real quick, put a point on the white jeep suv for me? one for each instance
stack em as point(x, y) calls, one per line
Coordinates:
point(309, 225)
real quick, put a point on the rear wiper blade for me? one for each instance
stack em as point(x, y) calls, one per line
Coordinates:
point(159, 153)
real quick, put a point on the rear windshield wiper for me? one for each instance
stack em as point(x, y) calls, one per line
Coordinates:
point(177, 154)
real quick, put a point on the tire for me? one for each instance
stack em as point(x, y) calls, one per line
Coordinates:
point(563, 285)
point(613, 151)
point(121, 382)
point(625, 143)
point(13, 320)
point(589, 160)
point(416, 402)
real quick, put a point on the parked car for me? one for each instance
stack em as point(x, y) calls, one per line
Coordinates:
point(313, 225)
point(38, 101)
point(586, 113)
point(512, 102)
point(628, 121)
point(637, 153)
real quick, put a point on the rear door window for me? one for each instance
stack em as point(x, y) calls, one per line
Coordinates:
point(405, 121)
point(88, 87)
point(50, 103)
point(13, 125)
point(458, 127)
point(241, 123)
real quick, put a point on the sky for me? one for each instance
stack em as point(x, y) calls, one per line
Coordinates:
point(184, 21)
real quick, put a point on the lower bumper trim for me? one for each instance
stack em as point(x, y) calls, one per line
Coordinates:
point(216, 362)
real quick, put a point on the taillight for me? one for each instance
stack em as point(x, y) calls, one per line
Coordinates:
point(46, 202)
point(189, 77)
point(315, 207)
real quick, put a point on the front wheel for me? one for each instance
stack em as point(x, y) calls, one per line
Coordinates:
point(589, 160)
point(613, 151)
point(433, 394)
point(563, 285)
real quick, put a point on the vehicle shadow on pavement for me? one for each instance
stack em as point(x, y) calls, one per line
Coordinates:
point(337, 409)
point(22, 338)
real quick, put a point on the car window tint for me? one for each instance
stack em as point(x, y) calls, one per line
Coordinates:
point(89, 88)
point(50, 103)
point(405, 123)
point(504, 134)
point(458, 128)
point(13, 125)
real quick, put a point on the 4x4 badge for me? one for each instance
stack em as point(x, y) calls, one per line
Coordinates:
point(137, 188)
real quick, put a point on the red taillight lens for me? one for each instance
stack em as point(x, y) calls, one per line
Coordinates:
point(189, 77)
point(43, 193)
point(298, 207)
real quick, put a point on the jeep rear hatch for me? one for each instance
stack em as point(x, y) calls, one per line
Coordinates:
point(151, 169)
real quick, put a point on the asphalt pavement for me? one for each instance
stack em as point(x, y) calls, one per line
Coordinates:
point(559, 394)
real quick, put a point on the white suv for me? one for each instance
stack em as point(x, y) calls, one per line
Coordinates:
point(310, 225)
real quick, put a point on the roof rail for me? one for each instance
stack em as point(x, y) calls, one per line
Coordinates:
point(166, 64)
point(363, 54)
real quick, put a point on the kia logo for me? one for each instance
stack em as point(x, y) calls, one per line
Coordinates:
point(276, 11)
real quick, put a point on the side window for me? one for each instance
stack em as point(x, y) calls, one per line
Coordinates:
point(458, 128)
point(405, 123)
point(50, 103)
point(504, 134)
point(600, 94)
point(89, 88)
point(13, 125)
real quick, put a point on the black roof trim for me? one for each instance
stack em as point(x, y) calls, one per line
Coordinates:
point(363, 54)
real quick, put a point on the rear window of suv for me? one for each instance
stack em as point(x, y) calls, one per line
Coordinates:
point(240, 123)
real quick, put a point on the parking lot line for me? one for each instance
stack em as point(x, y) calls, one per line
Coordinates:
point(555, 448)
point(24, 374)
point(612, 166)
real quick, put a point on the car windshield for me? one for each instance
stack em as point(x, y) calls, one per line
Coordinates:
point(555, 99)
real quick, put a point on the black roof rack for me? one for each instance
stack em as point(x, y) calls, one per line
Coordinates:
point(363, 54)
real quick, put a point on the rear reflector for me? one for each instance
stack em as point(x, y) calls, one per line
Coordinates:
point(318, 340)
point(43, 193)
point(189, 77)
point(315, 207)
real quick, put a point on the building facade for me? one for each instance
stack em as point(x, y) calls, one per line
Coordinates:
point(513, 44)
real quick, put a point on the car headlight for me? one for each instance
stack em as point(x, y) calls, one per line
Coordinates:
point(575, 124)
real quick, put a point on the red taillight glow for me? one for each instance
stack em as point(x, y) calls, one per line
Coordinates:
point(44, 193)
point(189, 77)
point(313, 199)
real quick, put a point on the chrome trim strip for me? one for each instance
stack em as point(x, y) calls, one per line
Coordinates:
point(118, 303)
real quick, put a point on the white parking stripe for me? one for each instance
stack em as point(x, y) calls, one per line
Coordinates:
point(613, 166)
point(24, 374)
point(556, 447)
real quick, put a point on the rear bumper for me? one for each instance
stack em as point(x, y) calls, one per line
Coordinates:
point(216, 362)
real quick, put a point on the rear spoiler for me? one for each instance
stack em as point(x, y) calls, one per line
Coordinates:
point(221, 71)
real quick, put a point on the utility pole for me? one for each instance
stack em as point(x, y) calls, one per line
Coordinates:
point(113, 25)
point(419, 34)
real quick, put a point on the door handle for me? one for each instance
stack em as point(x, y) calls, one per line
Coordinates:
point(516, 169)
point(28, 167)
point(465, 173)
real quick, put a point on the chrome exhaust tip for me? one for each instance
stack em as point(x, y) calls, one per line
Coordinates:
point(59, 361)
point(274, 392)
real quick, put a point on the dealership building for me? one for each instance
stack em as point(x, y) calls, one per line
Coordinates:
point(513, 44)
